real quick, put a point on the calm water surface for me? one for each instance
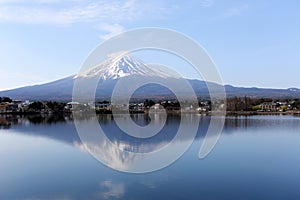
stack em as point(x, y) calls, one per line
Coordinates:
point(257, 157)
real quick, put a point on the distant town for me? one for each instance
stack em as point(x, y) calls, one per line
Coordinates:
point(236, 105)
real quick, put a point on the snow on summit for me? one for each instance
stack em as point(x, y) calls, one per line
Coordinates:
point(126, 65)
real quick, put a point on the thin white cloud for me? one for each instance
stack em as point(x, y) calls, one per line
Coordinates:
point(76, 11)
point(112, 190)
point(36, 1)
point(109, 14)
point(206, 3)
point(110, 30)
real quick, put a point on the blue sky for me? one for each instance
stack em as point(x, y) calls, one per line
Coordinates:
point(253, 43)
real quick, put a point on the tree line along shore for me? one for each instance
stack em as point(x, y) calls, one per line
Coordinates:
point(234, 106)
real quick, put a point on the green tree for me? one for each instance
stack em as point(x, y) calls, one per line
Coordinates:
point(36, 106)
point(148, 103)
point(5, 99)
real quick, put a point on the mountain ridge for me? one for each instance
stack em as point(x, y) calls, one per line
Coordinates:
point(111, 71)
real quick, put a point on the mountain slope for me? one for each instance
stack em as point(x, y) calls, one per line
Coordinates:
point(56, 90)
point(111, 71)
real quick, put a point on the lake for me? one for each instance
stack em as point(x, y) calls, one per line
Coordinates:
point(257, 157)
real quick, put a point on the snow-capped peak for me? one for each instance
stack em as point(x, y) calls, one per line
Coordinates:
point(114, 68)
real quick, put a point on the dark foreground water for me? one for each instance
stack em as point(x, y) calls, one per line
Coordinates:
point(257, 157)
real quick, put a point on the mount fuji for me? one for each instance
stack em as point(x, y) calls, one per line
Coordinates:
point(112, 70)
point(125, 66)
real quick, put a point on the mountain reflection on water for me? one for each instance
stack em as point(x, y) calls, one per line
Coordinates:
point(62, 128)
point(256, 158)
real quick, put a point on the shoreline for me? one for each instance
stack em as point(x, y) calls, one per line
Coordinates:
point(252, 113)
point(177, 112)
